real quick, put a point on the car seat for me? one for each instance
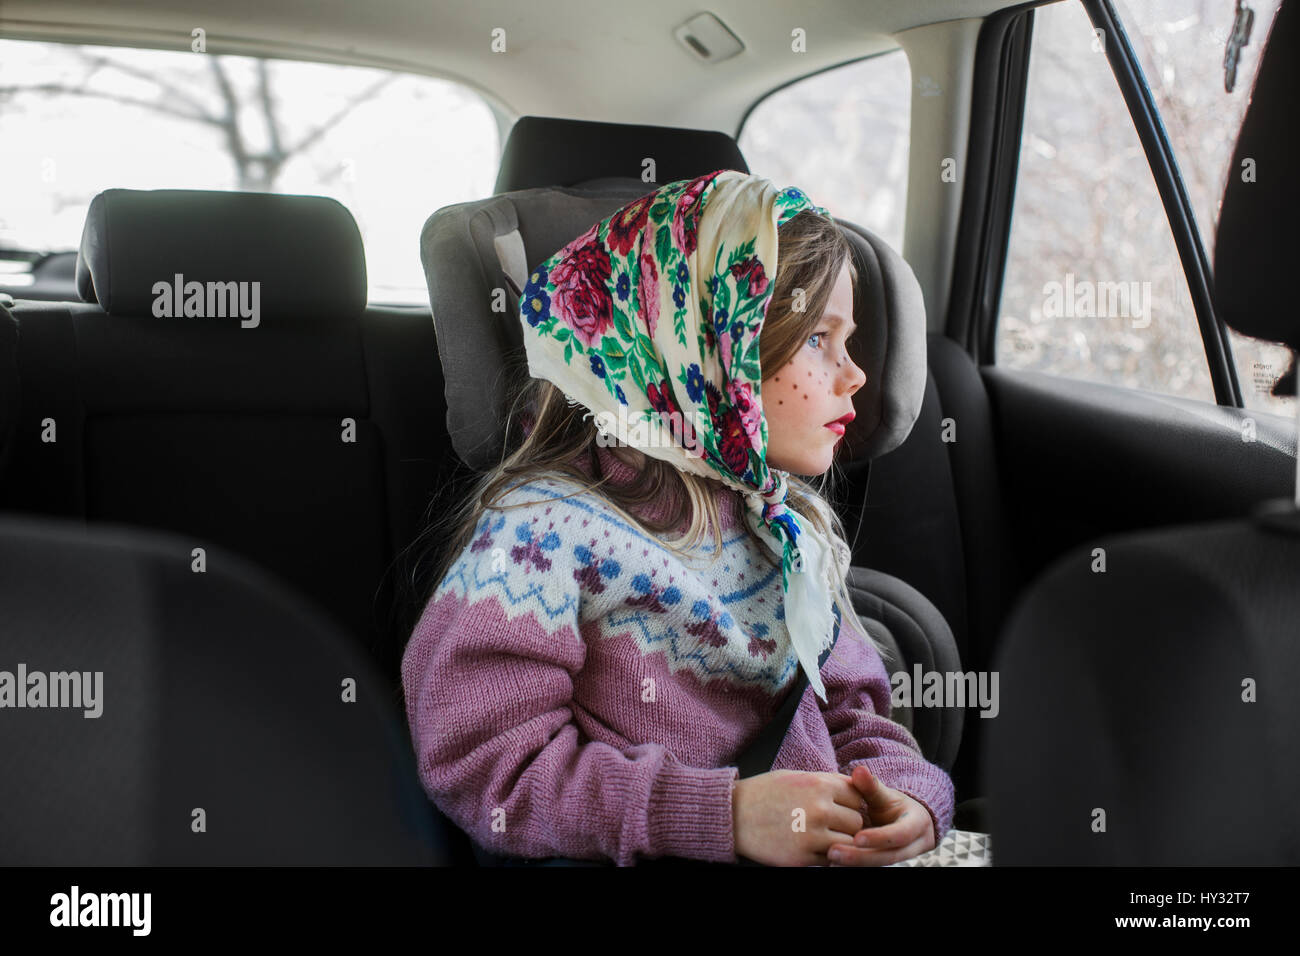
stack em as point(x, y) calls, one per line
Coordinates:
point(469, 250)
point(223, 699)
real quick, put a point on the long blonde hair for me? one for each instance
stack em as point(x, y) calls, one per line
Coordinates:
point(549, 436)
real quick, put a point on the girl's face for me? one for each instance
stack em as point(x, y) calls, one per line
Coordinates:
point(814, 388)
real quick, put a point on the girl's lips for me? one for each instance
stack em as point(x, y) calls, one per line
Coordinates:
point(837, 428)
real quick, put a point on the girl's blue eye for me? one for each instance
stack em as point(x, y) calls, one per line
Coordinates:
point(817, 335)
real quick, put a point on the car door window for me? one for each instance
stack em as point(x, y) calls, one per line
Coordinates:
point(843, 136)
point(1181, 45)
point(1093, 288)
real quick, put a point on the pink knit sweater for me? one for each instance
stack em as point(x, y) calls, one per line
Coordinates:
point(575, 689)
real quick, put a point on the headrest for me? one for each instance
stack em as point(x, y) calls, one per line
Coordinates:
point(469, 249)
point(1257, 245)
point(544, 151)
point(304, 252)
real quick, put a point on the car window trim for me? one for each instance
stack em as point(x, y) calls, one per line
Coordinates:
point(1001, 75)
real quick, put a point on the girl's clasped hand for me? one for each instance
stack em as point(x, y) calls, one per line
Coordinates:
point(899, 826)
point(846, 820)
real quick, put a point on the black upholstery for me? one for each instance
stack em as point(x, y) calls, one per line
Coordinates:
point(935, 518)
point(230, 435)
point(1257, 246)
point(218, 692)
point(304, 251)
point(935, 515)
point(1123, 692)
point(236, 435)
point(545, 151)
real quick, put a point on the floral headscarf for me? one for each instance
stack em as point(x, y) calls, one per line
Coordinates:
point(651, 320)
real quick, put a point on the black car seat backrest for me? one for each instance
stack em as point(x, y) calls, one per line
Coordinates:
point(1256, 247)
point(1148, 706)
point(174, 718)
point(247, 429)
point(547, 151)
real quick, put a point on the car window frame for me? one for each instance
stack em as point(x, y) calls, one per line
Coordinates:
point(983, 296)
point(1000, 88)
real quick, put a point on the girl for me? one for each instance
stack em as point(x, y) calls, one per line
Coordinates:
point(578, 682)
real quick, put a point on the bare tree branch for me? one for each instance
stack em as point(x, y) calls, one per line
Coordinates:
point(254, 169)
point(230, 126)
point(96, 61)
point(268, 109)
point(115, 97)
point(313, 137)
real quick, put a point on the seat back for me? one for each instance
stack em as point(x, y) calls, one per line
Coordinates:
point(307, 439)
point(185, 714)
point(914, 634)
point(1148, 712)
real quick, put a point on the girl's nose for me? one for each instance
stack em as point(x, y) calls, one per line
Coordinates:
point(852, 376)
